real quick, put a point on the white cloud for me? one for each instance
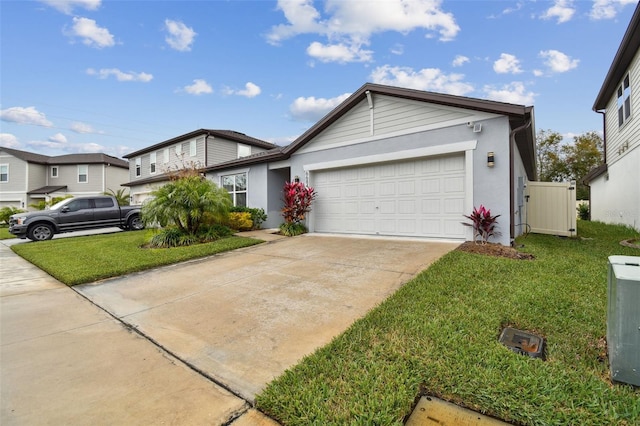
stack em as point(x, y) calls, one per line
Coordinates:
point(608, 9)
point(507, 64)
point(67, 147)
point(312, 109)
point(430, 79)
point(350, 24)
point(338, 53)
point(180, 36)
point(397, 49)
point(9, 141)
point(460, 60)
point(199, 87)
point(58, 138)
point(67, 6)
point(513, 93)
point(120, 75)
point(92, 35)
point(28, 115)
point(84, 128)
point(557, 61)
point(563, 10)
point(250, 90)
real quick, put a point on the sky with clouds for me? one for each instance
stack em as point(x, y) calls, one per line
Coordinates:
point(117, 76)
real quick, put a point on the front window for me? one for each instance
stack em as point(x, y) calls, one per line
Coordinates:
point(83, 173)
point(192, 148)
point(152, 162)
point(236, 185)
point(138, 166)
point(624, 101)
point(54, 171)
point(243, 150)
point(4, 173)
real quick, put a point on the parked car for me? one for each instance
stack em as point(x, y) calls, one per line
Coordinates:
point(75, 214)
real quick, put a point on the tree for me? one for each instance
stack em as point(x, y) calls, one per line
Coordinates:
point(549, 163)
point(121, 197)
point(560, 162)
point(186, 202)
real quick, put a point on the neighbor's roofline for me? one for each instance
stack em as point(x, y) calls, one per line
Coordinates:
point(226, 134)
point(621, 62)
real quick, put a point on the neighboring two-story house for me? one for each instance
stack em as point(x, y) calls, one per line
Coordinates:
point(615, 185)
point(151, 167)
point(27, 178)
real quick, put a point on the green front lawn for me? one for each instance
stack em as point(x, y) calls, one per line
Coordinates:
point(4, 233)
point(81, 260)
point(438, 335)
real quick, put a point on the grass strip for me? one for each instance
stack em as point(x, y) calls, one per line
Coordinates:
point(80, 260)
point(439, 333)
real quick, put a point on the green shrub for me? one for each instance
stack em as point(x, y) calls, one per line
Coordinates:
point(240, 221)
point(292, 229)
point(583, 211)
point(258, 216)
point(215, 232)
point(6, 212)
point(167, 237)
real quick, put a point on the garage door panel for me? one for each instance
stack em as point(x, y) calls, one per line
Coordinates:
point(413, 198)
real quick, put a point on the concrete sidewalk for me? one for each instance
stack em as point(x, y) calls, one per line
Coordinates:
point(66, 361)
point(191, 343)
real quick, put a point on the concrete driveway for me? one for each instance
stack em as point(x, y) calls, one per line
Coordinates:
point(242, 318)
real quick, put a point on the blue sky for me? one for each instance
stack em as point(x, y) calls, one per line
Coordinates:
point(117, 76)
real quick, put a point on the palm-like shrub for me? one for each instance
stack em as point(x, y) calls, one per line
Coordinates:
point(297, 203)
point(187, 203)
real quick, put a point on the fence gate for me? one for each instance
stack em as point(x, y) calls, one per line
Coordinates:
point(551, 208)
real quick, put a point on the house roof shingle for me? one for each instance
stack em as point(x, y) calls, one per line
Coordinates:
point(226, 134)
point(627, 50)
point(87, 158)
point(47, 190)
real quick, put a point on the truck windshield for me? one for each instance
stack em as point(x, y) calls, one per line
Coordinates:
point(59, 204)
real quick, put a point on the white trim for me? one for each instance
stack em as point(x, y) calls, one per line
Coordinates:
point(8, 178)
point(279, 164)
point(395, 156)
point(236, 172)
point(78, 175)
point(57, 169)
point(468, 189)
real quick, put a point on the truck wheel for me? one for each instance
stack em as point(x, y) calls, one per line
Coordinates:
point(40, 232)
point(136, 223)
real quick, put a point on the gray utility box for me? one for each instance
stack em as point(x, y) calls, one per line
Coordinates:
point(623, 319)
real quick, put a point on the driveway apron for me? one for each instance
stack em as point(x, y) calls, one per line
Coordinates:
point(242, 318)
point(66, 361)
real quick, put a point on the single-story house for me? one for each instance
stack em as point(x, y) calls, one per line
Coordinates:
point(27, 178)
point(399, 162)
point(615, 185)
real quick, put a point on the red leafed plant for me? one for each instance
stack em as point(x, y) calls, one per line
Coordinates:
point(484, 225)
point(297, 201)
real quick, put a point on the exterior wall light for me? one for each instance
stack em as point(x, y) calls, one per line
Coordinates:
point(296, 179)
point(490, 159)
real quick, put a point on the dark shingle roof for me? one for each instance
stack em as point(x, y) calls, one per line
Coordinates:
point(47, 190)
point(89, 158)
point(231, 135)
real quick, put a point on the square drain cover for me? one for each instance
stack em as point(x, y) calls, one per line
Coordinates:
point(523, 342)
point(434, 411)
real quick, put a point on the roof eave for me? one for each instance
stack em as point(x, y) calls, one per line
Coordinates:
point(625, 54)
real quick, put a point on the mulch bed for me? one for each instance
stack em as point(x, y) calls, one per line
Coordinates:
point(492, 249)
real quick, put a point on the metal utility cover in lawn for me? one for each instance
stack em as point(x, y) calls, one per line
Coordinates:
point(434, 411)
point(523, 342)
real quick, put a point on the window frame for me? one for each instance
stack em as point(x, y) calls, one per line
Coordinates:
point(623, 102)
point(234, 192)
point(152, 163)
point(193, 148)
point(86, 174)
point(138, 166)
point(167, 155)
point(6, 179)
point(55, 172)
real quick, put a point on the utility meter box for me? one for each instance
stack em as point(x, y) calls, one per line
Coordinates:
point(623, 319)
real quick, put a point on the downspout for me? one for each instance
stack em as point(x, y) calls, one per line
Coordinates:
point(512, 213)
point(604, 152)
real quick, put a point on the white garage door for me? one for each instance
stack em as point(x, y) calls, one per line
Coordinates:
point(422, 197)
